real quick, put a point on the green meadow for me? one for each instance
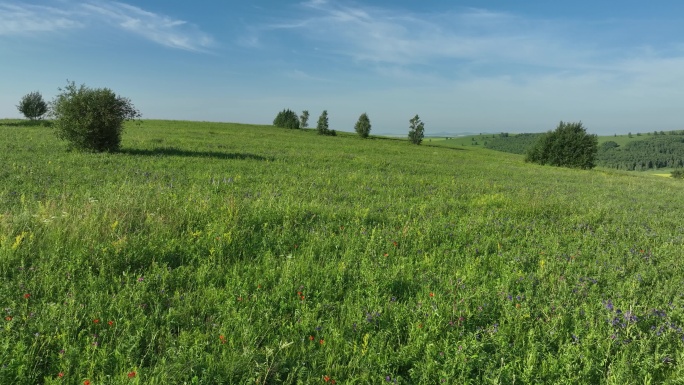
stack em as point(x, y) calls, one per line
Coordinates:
point(211, 253)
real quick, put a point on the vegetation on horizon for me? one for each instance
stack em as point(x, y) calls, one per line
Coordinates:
point(32, 106)
point(416, 130)
point(569, 145)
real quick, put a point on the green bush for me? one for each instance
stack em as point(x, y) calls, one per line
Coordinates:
point(286, 119)
point(304, 119)
point(416, 130)
point(91, 119)
point(32, 106)
point(568, 146)
point(322, 126)
point(363, 126)
point(678, 173)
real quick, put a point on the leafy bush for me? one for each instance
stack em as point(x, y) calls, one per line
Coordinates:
point(322, 126)
point(568, 146)
point(32, 106)
point(286, 119)
point(363, 126)
point(91, 119)
point(416, 130)
point(304, 119)
point(678, 173)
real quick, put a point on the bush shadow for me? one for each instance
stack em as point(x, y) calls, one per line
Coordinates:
point(27, 123)
point(171, 151)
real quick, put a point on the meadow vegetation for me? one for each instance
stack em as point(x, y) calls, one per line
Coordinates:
point(208, 253)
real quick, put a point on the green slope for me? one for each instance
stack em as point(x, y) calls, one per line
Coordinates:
point(227, 253)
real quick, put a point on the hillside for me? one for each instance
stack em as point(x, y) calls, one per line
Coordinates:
point(633, 152)
point(229, 253)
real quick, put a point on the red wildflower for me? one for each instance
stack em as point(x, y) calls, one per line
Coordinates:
point(60, 375)
point(321, 341)
point(8, 318)
point(222, 338)
point(27, 295)
point(86, 382)
point(432, 294)
point(110, 323)
point(326, 378)
point(131, 374)
point(96, 320)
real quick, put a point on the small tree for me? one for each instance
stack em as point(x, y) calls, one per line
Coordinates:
point(91, 119)
point(416, 131)
point(33, 106)
point(363, 126)
point(286, 119)
point(568, 146)
point(322, 126)
point(304, 119)
point(678, 173)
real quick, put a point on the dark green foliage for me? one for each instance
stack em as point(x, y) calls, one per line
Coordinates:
point(661, 151)
point(32, 106)
point(322, 126)
point(678, 173)
point(568, 146)
point(416, 130)
point(286, 119)
point(605, 146)
point(304, 119)
point(363, 126)
point(91, 119)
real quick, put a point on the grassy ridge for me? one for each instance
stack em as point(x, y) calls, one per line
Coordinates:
point(226, 253)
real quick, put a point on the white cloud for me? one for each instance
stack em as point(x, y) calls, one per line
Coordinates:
point(19, 18)
point(26, 19)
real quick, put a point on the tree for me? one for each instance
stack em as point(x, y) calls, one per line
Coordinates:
point(363, 126)
point(286, 119)
point(416, 131)
point(91, 119)
point(322, 126)
point(33, 106)
point(568, 146)
point(304, 119)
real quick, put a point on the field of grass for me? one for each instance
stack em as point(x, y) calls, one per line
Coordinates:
point(208, 253)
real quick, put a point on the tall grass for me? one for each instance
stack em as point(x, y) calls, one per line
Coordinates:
point(224, 253)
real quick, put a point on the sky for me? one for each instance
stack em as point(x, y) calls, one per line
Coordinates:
point(462, 66)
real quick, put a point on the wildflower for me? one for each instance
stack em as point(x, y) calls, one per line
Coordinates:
point(222, 338)
point(60, 374)
point(96, 321)
point(131, 374)
point(311, 338)
point(140, 279)
point(86, 382)
point(321, 341)
point(110, 323)
point(27, 296)
point(432, 294)
point(326, 378)
point(8, 318)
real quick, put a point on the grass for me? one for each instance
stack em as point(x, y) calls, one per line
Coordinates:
point(207, 253)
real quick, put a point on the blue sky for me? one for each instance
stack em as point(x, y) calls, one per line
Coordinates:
point(463, 66)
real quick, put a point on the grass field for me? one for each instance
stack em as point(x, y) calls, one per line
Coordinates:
point(208, 253)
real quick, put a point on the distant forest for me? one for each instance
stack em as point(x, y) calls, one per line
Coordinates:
point(659, 150)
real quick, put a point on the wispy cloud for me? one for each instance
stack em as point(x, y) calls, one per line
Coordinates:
point(25, 19)
point(20, 18)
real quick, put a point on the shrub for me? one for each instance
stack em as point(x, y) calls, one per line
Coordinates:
point(304, 119)
point(416, 130)
point(32, 106)
point(678, 173)
point(322, 126)
point(286, 119)
point(568, 146)
point(363, 126)
point(91, 119)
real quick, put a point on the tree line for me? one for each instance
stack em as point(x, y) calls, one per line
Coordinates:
point(289, 119)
